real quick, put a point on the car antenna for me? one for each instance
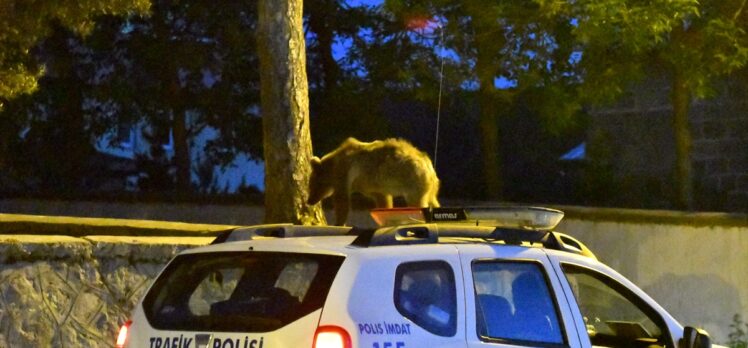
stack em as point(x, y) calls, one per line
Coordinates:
point(439, 100)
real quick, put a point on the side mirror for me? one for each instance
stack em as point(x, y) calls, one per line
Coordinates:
point(694, 338)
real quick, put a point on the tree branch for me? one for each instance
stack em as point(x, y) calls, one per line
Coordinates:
point(739, 11)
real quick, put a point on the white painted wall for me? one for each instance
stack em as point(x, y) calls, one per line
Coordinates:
point(699, 274)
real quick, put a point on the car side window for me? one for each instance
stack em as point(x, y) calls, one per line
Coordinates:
point(425, 293)
point(514, 304)
point(615, 316)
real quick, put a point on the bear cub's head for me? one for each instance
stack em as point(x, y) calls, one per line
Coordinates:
point(320, 182)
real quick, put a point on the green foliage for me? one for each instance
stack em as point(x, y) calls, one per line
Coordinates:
point(141, 72)
point(347, 93)
point(632, 27)
point(709, 48)
point(558, 56)
point(624, 41)
point(525, 43)
point(690, 43)
point(739, 333)
point(615, 39)
point(387, 65)
point(55, 124)
point(161, 66)
point(24, 23)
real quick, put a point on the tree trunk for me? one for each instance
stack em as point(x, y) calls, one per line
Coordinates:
point(181, 151)
point(489, 130)
point(321, 18)
point(487, 47)
point(285, 112)
point(683, 170)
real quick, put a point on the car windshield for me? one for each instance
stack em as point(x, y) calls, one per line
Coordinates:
point(239, 291)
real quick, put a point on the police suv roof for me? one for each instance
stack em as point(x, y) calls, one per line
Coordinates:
point(521, 226)
point(342, 245)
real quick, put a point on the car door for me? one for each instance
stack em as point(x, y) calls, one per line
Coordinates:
point(614, 312)
point(400, 297)
point(514, 299)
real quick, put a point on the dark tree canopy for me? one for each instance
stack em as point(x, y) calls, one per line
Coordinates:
point(186, 66)
point(512, 81)
point(23, 24)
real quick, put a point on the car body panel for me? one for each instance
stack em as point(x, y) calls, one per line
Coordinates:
point(361, 297)
point(300, 333)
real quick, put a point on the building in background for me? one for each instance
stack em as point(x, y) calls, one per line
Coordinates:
point(129, 144)
point(632, 143)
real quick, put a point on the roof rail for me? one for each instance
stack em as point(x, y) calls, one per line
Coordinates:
point(432, 233)
point(282, 231)
point(511, 225)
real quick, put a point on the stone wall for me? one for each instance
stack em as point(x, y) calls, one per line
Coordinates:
point(58, 291)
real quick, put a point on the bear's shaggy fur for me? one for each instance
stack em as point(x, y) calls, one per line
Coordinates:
point(381, 169)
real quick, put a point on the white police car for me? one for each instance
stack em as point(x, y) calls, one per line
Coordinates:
point(473, 277)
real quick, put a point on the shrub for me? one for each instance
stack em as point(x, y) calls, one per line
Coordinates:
point(738, 333)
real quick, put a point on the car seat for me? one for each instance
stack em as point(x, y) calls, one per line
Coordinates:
point(534, 313)
point(494, 316)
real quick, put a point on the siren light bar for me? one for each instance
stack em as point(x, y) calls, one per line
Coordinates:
point(521, 217)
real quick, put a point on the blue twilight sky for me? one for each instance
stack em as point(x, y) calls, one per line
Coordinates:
point(364, 2)
point(341, 46)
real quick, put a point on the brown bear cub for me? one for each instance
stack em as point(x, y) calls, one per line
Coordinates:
point(381, 170)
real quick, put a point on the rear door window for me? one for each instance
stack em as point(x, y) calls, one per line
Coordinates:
point(425, 293)
point(514, 304)
point(239, 291)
